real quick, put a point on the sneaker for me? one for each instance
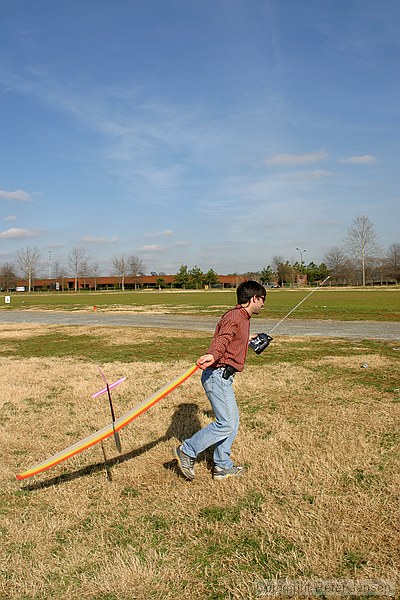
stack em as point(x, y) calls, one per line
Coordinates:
point(185, 463)
point(220, 473)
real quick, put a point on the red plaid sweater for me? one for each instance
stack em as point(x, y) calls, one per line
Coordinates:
point(231, 338)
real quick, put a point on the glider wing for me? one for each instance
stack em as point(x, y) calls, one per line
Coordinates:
point(108, 431)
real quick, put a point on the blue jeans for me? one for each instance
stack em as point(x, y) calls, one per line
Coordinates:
point(223, 430)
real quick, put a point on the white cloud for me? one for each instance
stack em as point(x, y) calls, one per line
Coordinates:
point(10, 218)
point(365, 159)
point(290, 160)
point(166, 233)
point(16, 196)
point(19, 233)
point(90, 239)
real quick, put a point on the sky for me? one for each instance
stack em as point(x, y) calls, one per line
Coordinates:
point(209, 133)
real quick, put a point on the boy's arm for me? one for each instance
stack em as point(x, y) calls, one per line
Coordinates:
point(224, 334)
point(222, 339)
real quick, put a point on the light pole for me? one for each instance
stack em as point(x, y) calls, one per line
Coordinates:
point(301, 256)
point(49, 266)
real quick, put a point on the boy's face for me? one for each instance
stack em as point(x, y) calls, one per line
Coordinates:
point(256, 304)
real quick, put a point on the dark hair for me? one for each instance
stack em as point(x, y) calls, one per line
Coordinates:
point(248, 289)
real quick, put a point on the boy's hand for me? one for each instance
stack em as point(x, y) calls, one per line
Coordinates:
point(260, 342)
point(205, 361)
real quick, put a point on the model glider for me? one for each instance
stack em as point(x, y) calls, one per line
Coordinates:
point(109, 430)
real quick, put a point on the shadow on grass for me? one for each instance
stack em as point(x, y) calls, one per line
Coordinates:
point(183, 424)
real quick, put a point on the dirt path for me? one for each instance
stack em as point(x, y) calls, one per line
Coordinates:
point(382, 330)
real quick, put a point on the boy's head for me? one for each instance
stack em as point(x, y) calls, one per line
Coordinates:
point(248, 289)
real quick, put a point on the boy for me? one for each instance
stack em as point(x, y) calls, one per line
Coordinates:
point(225, 357)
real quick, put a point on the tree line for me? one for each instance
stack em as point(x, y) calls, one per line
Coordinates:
point(358, 261)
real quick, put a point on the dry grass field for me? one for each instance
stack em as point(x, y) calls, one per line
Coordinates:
point(319, 435)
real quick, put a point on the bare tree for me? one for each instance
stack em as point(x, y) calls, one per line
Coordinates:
point(361, 240)
point(27, 261)
point(393, 262)
point(339, 265)
point(277, 262)
point(59, 274)
point(76, 261)
point(120, 268)
point(57, 269)
point(94, 273)
point(84, 270)
point(136, 268)
point(8, 277)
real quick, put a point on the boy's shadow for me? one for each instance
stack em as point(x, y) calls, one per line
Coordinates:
point(184, 423)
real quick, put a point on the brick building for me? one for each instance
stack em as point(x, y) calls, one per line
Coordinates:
point(114, 283)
